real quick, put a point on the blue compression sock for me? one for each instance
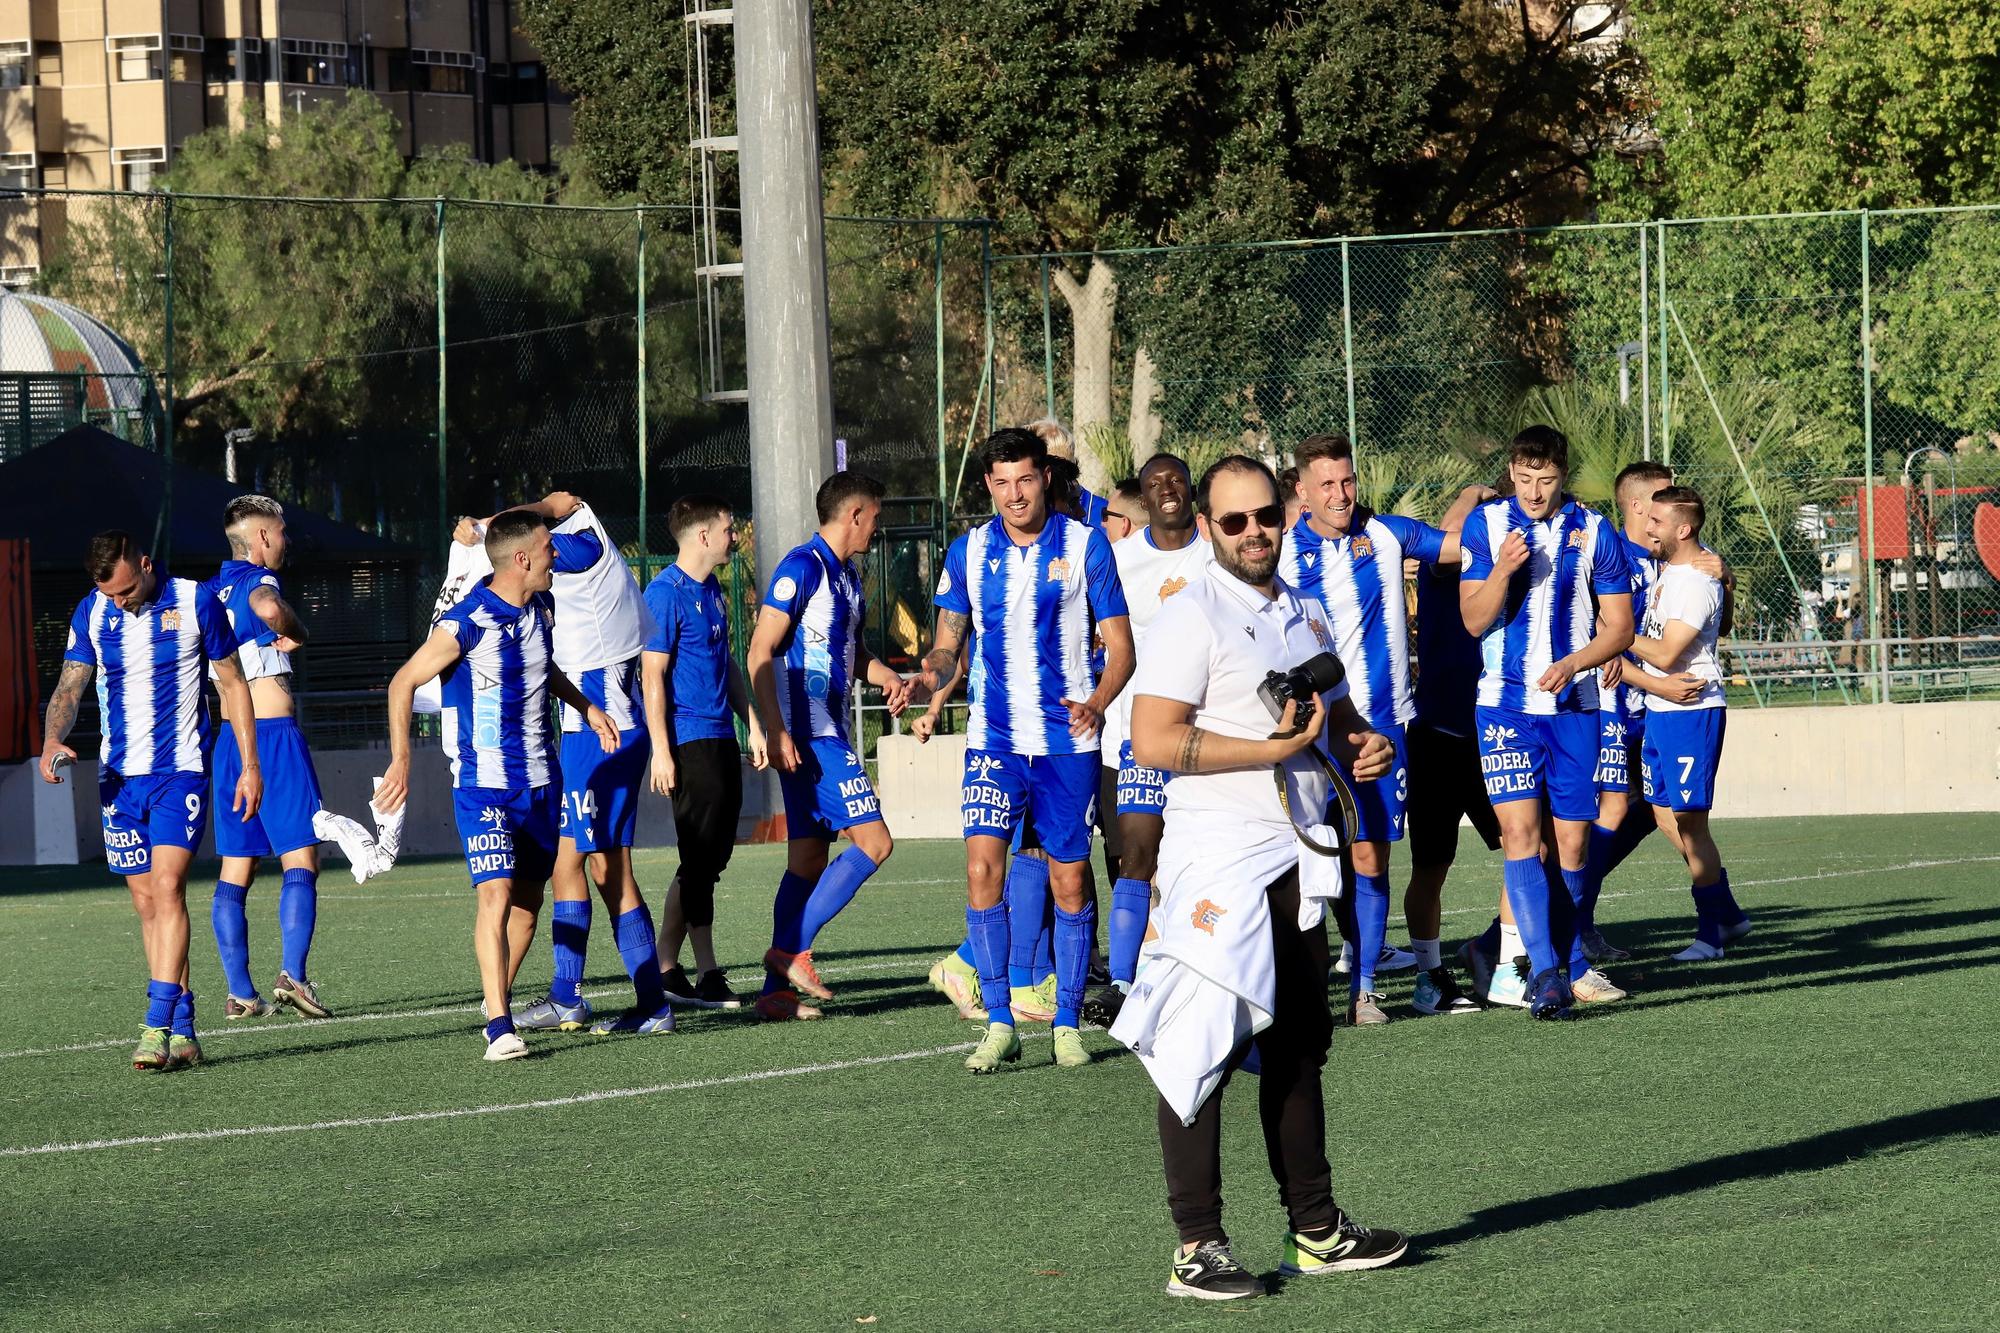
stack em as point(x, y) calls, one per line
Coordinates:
point(787, 921)
point(1597, 865)
point(1528, 894)
point(1027, 898)
point(641, 956)
point(161, 997)
point(1711, 910)
point(1565, 918)
point(232, 937)
point(1042, 965)
point(499, 1027)
point(986, 927)
point(298, 911)
point(1074, 932)
point(838, 884)
point(569, 932)
point(184, 1013)
point(1131, 902)
point(965, 953)
point(1732, 912)
point(1371, 927)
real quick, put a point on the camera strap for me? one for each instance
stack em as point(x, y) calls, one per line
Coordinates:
point(1350, 818)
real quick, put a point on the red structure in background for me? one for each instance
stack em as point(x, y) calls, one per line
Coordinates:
point(1986, 537)
point(20, 728)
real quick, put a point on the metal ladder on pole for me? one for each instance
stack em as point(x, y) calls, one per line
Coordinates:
point(718, 281)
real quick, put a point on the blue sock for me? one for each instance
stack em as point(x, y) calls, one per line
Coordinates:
point(640, 953)
point(1731, 911)
point(1488, 942)
point(1042, 964)
point(1074, 934)
point(1131, 902)
point(499, 1027)
point(1528, 894)
point(1371, 927)
point(184, 1013)
point(298, 910)
point(1597, 865)
point(569, 931)
point(161, 996)
point(1565, 919)
point(787, 919)
point(1638, 823)
point(1027, 898)
point(965, 952)
point(986, 927)
point(232, 937)
point(1711, 910)
point(838, 884)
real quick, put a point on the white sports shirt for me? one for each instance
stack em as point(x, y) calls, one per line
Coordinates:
point(1684, 593)
point(1150, 576)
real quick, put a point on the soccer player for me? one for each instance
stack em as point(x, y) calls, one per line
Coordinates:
point(805, 655)
point(1161, 559)
point(1125, 511)
point(1533, 563)
point(1683, 746)
point(1350, 559)
point(494, 656)
point(692, 687)
point(1089, 506)
point(1288, 482)
point(290, 822)
point(1021, 591)
point(147, 637)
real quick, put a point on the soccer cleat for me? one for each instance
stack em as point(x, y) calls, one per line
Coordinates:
point(958, 981)
point(675, 982)
point(545, 1014)
point(506, 1046)
point(234, 1008)
point(388, 834)
point(351, 838)
point(1210, 1273)
point(1101, 1006)
point(299, 995)
point(1600, 950)
point(1478, 965)
point(1035, 1004)
point(1099, 972)
point(151, 1053)
point(1366, 1011)
point(1701, 951)
point(1509, 985)
point(1437, 992)
point(797, 968)
point(1593, 987)
point(1069, 1049)
point(1736, 931)
point(639, 1022)
point(182, 1052)
point(1349, 1249)
point(1549, 994)
point(1001, 1046)
point(712, 991)
point(781, 1005)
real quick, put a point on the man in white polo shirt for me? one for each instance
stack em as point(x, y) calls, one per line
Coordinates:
point(1230, 921)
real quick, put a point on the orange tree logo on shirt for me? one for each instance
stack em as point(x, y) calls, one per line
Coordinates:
point(1206, 914)
point(1058, 571)
point(1170, 587)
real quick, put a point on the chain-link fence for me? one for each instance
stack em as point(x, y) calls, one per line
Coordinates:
point(1829, 383)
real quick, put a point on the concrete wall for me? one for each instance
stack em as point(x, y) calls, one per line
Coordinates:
point(1884, 759)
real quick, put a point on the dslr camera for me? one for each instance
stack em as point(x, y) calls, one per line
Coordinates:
point(1302, 684)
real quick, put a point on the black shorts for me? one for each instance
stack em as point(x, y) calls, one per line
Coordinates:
point(1445, 784)
point(708, 798)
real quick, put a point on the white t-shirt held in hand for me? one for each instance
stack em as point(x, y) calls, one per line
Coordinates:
point(1683, 593)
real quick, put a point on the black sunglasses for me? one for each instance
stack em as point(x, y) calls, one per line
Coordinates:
point(1232, 525)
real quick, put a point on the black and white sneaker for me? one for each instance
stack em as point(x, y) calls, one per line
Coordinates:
point(713, 990)
point(1437, 992)
point(1349, 1248)
point(1101, 1006)
point(679, 989)
point(1211, 1273)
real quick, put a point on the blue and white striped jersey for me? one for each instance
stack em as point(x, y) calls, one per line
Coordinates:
point(822, 597)
point(1627, 702)
point(1031, 609)
point(616, 690)
point(152, 682)
point(1359, 580)
point(1574, 556)
point(496, 696)
point(255, 641)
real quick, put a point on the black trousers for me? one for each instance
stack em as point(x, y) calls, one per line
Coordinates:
point(708, 798)
point(1291, 1053)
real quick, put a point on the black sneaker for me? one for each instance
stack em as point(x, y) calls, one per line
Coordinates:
point(713, 989)
point(1348, 1248)
point(1099, 972)
point(1101, 1006)
point(675, 979)
point(1211, 1273)
point(1437, 992)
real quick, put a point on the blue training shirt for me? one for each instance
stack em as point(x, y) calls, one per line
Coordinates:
point(255, 640)
point(152, 679)
point(1574, 556)
point(1030, 609)
point(1358, 578)
point(821, 595)
point(691, 622)
point(1447, 656)
point(496, 696)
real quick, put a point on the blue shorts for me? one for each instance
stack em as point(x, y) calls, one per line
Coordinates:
point(1141, 790)
point(1378, 805)
point(1683, 750)
point(1534, 757)
point(284, 821)
point(829, 792)
point(1619, 739)
point(600, 808)
point(508, 834)
point(1058, 792)
point(158, 810)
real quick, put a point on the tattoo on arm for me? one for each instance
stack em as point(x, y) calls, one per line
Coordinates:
point(61, 714)
point(1188, 758)
point(951, 627)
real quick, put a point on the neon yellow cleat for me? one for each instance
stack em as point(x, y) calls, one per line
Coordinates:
point(1036, 1004)
point(151, 1053)
point(958, 981)
point(1069, 1049)
point(1001, 1046)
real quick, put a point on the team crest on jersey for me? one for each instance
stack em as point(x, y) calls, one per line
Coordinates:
point(1206, 914)
point(1318, 628)
point(170, 619)
point(1576, 541)
point(1499, 737)
point(1170, 587)
point(1362, 546)
point(944, 582)
point(1058, 571)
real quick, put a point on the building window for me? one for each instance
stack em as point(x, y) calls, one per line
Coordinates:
point(14, 64)
point(136, 59)
point(531, 85)
point(443, 71)
point(322, 64)
point(17, 171)
point(137, 167)
point(184, 53)
point(235, 60)
point(48, 64)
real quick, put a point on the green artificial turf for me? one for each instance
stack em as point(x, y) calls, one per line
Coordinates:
point(1799, 1136)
